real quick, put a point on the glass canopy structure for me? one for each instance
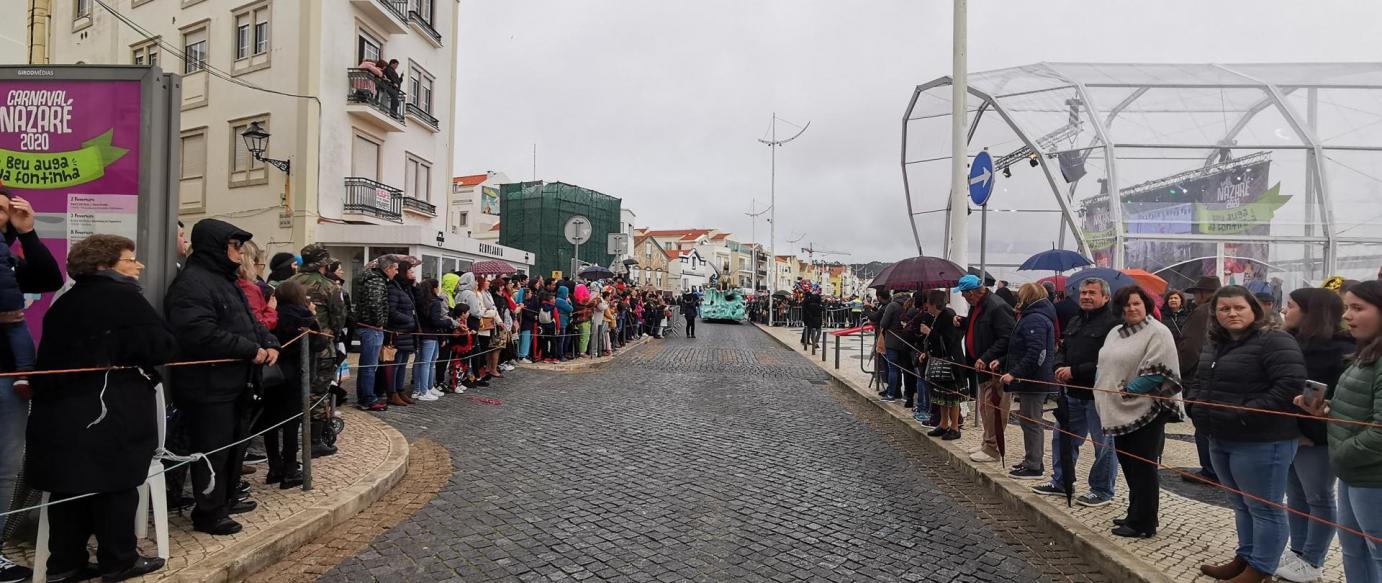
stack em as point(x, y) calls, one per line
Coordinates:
point(1228, 169)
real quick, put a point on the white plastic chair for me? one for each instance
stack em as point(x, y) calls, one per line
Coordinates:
point(152, 489)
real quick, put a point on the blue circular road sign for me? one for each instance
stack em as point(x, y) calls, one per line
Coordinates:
point(981, 179)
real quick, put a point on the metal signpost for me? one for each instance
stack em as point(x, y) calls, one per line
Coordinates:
point(981, 180)
point(577, 231)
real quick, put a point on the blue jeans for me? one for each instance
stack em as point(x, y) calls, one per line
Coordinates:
point(1206, 462)
point(1360, 509)
point(1084, 422)
point(1257, 468)
point(923, 400)
point(400, 370)
point(525, 343)
point(1310, 489)
point(425, 369)
point(21, 345)
point(371, 341)
point(894, 364)
point(14, 418)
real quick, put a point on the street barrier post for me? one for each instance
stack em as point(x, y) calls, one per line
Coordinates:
point(821, 342)
point(837, 353)
point(305, 366)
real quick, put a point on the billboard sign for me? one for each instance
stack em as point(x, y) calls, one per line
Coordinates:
point(90, 148)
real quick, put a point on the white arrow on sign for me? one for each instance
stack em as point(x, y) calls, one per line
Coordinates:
point(982, 178)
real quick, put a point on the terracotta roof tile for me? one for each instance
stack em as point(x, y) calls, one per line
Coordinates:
point(471, 180)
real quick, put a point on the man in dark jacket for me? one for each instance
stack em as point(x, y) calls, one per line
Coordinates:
point(371, 317)
point(988, 327)
point(37, 272)
point(1191, 342)
point(395, 84)
point(896, 350)
point(1077, 361)
point(690, 306)
point(212, 320)
point(811, 317)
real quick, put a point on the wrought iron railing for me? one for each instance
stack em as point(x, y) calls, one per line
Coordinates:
point(369, 197)
point(375, 91)
point(399, 8)
point(422, 116)
point(423, 23)
point(419, 205)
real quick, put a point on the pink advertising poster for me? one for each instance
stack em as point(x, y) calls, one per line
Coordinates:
point(71, 148)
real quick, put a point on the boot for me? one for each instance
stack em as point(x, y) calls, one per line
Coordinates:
point(319, 445)
point(292, 477)
point(1227, 570)
point(396, 399)
point(1251, 575)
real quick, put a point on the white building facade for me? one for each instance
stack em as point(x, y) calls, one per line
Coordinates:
point(367, 175)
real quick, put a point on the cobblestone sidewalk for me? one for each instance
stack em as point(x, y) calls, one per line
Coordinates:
point(1196, 521)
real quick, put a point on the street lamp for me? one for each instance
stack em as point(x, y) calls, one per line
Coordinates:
point(255, 140)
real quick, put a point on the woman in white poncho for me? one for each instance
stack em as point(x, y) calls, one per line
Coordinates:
point(1137, 391)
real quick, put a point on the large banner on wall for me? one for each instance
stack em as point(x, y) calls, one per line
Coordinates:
point(1234, 201)
point(75, 142)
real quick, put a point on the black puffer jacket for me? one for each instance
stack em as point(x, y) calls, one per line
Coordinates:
point(402, 314)
point(1083, 336)
point(1325, 362)
point(811, 311)
point(212, 320)
point(1264, 370)
point(991, 331)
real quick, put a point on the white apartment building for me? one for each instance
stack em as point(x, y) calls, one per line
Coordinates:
point(368, 175)
point(475, 205)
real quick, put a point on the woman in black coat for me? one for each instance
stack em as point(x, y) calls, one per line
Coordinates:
point(402, 327)
point(97, 431)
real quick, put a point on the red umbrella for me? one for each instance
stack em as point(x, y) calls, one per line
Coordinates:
point(918, 273)
point(492, 267)
point(1057, 280)
point(1151, 282)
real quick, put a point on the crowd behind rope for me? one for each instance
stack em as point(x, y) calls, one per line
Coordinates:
point(78, 412)
point(1285, 400)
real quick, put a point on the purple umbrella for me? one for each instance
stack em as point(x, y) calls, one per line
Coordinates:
point(919, 273)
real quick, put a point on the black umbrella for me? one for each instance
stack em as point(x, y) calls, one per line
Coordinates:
point(919, 273)
point(782, 293)
point(989, 280)
point(595, 272)
point(1067, 454)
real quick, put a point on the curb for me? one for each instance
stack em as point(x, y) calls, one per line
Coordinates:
point(580, 364)
point(238, 561)
point(1115, 561)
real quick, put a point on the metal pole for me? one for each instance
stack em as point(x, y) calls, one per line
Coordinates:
point(837, 353)
point(772, 221)
point(305, 368)
point(958, 243)
point(822, 345)
point(983, 241)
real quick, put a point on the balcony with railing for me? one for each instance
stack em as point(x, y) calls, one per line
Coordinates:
point(424, 25)
point(374, 199)
point(416, 112)
point(418, 205)
point(390, 15)
point(372, 99)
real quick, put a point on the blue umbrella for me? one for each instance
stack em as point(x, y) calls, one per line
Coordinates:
point(1115, 279)
point(1055, 260)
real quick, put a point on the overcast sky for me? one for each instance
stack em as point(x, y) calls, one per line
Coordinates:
point(660, 103)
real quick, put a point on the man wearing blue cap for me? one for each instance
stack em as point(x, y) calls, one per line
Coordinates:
point(987, 329)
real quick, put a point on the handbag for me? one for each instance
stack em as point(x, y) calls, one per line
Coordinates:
point(388, 353)
point(271, 376)
point(939, 371)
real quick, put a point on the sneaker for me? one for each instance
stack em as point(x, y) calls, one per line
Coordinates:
point(1091, 500)
point(1026, 474)
point(435, 392)
point(925, 420)
point(1297, 570)
point(887, 398)
point(425, 397)
point(508, 367)
point(12, 573)
point(256, 458)
point(1049, 490)
point(375, 406)
point(975, 449)
point(525, 361)
point(981, 457)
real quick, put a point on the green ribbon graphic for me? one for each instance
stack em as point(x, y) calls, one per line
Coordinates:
point(48, 170)
point(1239, 220)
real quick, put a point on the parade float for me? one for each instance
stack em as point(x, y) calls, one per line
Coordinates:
point(725, 305)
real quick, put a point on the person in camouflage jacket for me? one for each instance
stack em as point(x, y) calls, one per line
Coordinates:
point(329, 309)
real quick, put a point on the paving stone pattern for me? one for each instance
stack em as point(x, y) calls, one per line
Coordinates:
point(721, 458)
point(1196, 520)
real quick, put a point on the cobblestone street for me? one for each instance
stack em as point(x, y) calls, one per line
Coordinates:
point(723, 458)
